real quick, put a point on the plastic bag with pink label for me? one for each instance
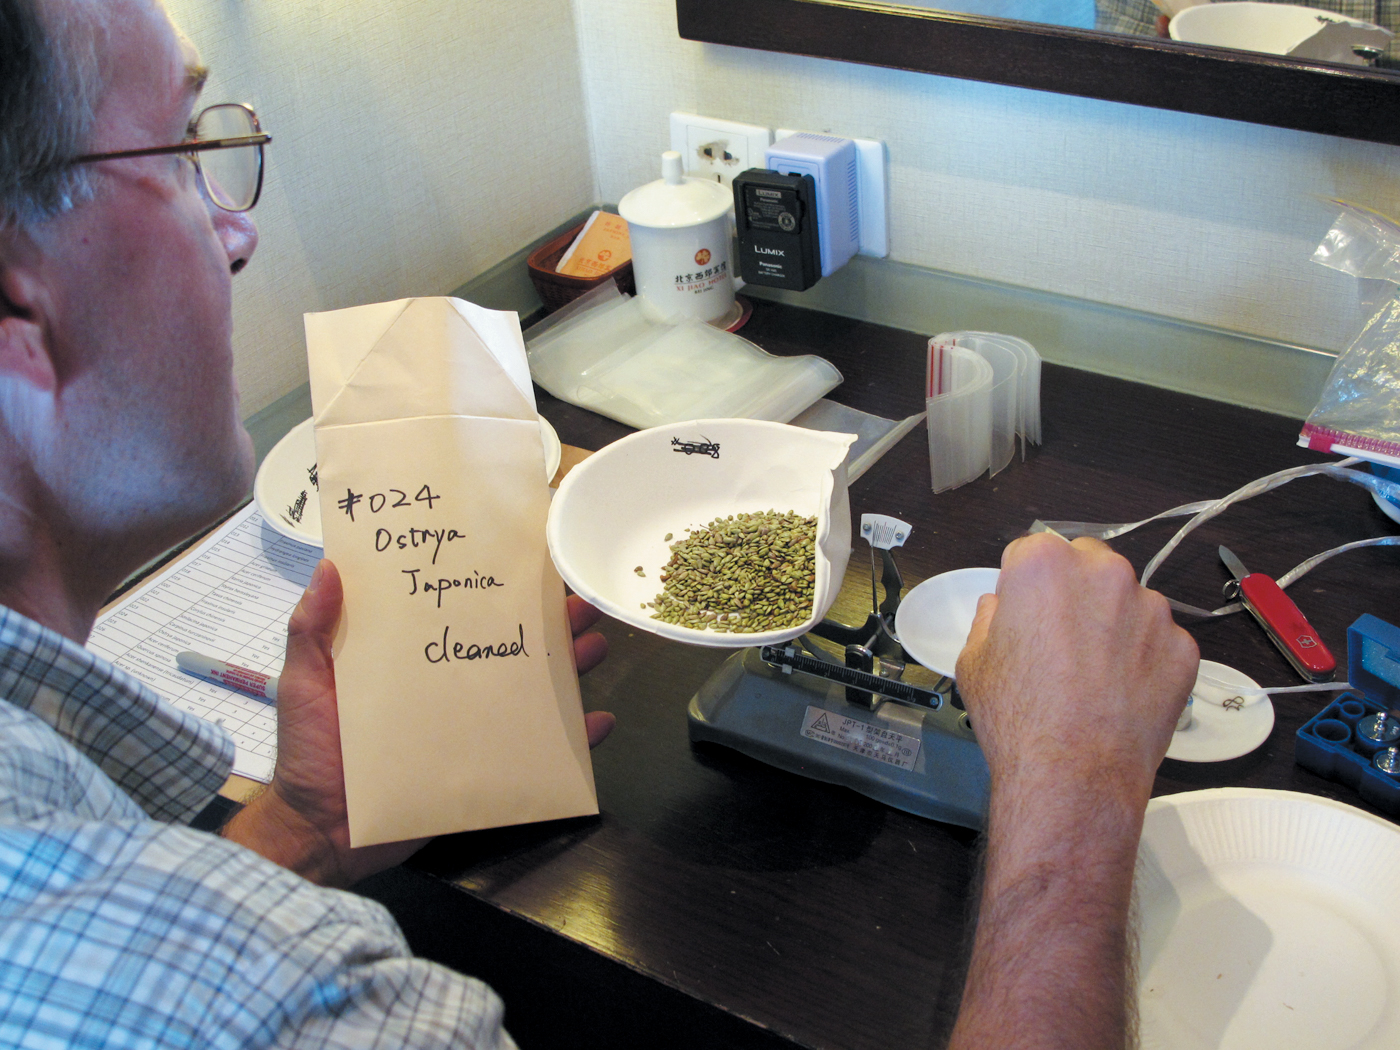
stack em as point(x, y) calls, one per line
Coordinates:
point(1358, 413)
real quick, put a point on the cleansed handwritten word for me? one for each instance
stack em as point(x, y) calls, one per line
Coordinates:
point(384, 539)
point(473, 651)
point(379, 501)
point(476, 581)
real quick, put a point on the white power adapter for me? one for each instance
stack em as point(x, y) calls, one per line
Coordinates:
point(831, 162)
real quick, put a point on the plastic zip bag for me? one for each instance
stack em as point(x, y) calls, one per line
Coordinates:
point(982, 391)
point(1358, 413)
point(602, 353)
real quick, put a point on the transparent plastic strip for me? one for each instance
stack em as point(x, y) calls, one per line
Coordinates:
point(1204, 510)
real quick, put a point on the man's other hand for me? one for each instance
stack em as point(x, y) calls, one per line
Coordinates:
point(1073, 675)
point(590, 648)
point(1073, 669)
point(300, 819)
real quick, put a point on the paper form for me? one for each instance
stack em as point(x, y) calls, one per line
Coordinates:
point(229, 598)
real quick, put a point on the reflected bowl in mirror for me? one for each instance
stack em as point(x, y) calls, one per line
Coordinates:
point(1278, 29)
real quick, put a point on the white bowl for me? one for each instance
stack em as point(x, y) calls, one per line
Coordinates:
point(284, 492)
point(612, 512)
point(1278, 29)
point(933, 619)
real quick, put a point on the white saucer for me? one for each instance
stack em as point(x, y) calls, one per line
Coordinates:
point(1390, 510)
point(1220, 728)
point(286, 493)
point(1267, 922)
point(933, 619)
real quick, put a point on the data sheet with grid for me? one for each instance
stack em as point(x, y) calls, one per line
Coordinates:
point(229, 598)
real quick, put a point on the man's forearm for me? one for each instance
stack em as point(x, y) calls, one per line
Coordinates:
point(1074, 675)
point(1050, 961)
point(273, 830)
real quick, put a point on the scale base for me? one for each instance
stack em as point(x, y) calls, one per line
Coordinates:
point(915, 759)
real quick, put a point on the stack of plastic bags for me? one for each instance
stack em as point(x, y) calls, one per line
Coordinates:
point(983, 391)
point(603, 352)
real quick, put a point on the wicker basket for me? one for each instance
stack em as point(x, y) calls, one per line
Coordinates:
point(556, 288)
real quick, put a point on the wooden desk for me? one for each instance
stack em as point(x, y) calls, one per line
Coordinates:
point(720, 902)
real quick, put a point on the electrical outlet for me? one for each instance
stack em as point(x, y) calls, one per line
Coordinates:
point(717, 149)
point(870, 192)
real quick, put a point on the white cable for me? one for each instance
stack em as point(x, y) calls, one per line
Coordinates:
point(1204, 510)
point(1244, 492)
point(1311, 687)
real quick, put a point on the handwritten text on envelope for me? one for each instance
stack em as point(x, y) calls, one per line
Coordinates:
point(458, 697)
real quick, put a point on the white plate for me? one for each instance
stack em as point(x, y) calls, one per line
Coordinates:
point(1268, 922)
point(933, 619)
point(1220, 726)
point(287, 497)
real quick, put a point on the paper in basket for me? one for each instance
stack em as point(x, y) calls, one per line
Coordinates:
point(458, 696)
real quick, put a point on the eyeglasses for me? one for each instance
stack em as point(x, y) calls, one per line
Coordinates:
point(226, 148)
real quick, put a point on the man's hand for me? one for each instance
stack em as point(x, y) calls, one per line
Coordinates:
point(1074, 666)
point(1073, 676)
point(299, 821)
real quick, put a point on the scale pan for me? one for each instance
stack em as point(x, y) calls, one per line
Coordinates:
point(933, 619)
point(613, 511)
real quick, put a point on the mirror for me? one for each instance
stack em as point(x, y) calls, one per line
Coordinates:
point(1353, 101)
point(1334, 30)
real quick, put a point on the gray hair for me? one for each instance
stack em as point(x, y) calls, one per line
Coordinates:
point(50, 82)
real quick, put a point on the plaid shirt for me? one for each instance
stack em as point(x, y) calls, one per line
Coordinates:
point(120, 928)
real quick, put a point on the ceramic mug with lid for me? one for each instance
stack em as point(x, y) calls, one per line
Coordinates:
point(679, 228)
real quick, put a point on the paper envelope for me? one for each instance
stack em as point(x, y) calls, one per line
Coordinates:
point(458, 696)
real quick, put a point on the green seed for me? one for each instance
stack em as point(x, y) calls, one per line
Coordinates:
point(741, 573)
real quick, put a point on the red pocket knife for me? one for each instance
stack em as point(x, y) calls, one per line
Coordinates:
point(1285, 625)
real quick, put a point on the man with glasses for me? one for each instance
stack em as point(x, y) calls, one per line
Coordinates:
point(122, 216)
point(224, 143)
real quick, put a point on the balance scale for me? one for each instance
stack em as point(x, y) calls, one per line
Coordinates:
point(852, 721)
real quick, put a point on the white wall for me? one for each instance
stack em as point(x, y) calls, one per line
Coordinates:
point(1191, 217)
point(415, 144)
point(418, 143)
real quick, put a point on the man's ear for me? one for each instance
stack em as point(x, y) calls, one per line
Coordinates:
point(24, 349)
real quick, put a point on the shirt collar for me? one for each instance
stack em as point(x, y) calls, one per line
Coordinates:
point(171, 763)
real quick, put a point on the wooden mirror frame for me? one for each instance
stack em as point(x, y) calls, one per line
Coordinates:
point(1353, 102)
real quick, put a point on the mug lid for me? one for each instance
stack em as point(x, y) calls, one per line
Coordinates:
point(675, 200)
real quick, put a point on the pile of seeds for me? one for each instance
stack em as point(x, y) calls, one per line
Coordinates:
point(742, 574)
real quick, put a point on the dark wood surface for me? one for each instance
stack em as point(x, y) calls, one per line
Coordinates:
point(1352, 101)
point(720, 902)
